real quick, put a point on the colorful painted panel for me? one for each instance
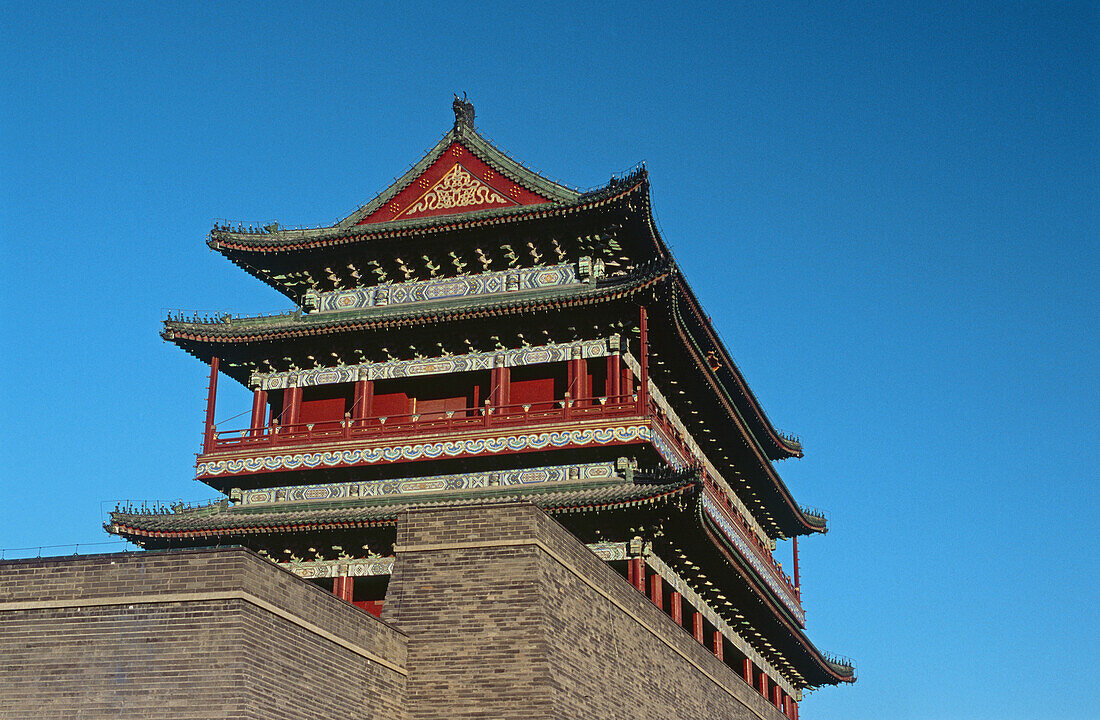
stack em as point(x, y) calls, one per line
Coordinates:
point(441, 190)
point(609, 550)
point(449, 288)
point(747, 552)
point(353, 567)
point(456, 191)
point(591, 472)
point(435, 366)
point(427, 451)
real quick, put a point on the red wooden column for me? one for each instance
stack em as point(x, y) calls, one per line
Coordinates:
point(718, 646)
point(259, 412)
point(292, 405)
point(614, 370)
point(763, 684)
point(777, 697)
point(577, 377)
point(500, 379)
point(697, 626)
point(363, 401)
point(211, 396)
point(639, 574)
point(746, 670)
point(657, 591)
point(343, 587)
point(794, 709)
point(675, 608)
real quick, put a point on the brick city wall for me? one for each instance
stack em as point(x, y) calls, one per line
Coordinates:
point(501, 612)
point(188, 634)
point(509, 616)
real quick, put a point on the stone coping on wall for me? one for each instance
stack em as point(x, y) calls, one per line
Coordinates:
point(198, 575)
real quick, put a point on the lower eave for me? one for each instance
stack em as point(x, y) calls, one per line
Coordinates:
point(222, 521)
point(831, 673)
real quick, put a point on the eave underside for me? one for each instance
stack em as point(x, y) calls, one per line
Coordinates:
point(679, 537)
point(610, 228)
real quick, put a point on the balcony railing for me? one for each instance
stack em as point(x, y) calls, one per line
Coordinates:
point(488, 416)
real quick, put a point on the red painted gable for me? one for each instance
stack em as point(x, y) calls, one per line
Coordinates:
point(457, 182)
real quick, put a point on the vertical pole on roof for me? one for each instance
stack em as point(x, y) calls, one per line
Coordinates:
point(797, 584)
point(208, 433)
point(643, 360)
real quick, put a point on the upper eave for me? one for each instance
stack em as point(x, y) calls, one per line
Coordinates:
point(779, 446)
point(245, 244)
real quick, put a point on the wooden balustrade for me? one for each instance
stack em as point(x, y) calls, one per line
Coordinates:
point(491, 416)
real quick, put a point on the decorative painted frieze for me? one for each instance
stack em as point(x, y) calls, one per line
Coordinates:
point(436, 366)
point(609, 550)
point(343, 567)
point(588, 473)
point(666, 450)
point(517, 280)
point(678, 584)
point(749, 553)
point(427, 450)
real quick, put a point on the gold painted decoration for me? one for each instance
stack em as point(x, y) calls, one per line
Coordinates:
point(457, 189)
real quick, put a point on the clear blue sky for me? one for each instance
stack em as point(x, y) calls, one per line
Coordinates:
point(890, 210)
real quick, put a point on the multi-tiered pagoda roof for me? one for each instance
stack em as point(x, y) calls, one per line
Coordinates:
point(476, 333)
